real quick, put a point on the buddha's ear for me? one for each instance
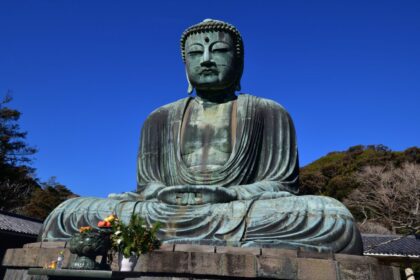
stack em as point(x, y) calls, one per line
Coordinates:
point(190, 86)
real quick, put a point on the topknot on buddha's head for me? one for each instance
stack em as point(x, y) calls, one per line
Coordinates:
point(210, 25)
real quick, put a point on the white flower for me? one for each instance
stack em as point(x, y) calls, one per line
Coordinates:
point(119, 241)
point(118, 232)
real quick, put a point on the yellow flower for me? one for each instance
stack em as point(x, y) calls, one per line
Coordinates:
point(110, 218)
point(52, 265)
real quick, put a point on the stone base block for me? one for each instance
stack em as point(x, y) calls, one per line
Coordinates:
point(181, 261)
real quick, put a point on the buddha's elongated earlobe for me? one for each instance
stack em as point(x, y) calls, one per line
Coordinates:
point(190, 86)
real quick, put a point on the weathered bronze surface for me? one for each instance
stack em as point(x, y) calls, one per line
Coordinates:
point(219, 166)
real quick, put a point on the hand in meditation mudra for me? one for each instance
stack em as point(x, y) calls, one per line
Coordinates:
point(219, 166)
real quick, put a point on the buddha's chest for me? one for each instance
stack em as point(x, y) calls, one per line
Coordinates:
point(206, 137)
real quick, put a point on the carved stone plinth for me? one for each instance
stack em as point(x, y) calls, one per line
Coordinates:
point(201, 262)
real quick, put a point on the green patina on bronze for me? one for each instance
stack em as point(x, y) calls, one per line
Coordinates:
point(219, 167)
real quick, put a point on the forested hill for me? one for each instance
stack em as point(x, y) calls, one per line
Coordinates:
point(380, 186)
point(334, 174)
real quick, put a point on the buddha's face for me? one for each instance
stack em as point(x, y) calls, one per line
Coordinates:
point(210, 60)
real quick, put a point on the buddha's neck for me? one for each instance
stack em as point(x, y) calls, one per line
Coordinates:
point(220, 96)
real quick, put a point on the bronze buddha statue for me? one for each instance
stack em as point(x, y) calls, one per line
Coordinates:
point(219, 166)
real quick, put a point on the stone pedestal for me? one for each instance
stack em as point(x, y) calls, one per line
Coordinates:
point(205, 262)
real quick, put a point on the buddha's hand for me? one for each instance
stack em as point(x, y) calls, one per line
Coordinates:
point(151, 191)
point(274, 195)
point(196, 195)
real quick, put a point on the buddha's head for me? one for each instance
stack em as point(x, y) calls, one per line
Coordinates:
point(213, 54)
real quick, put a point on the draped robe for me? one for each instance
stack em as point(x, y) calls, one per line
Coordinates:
point(262, 170)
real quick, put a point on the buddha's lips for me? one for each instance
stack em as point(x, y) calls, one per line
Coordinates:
point(208, 71)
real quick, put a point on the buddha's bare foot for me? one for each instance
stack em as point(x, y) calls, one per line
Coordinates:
point(125, 196)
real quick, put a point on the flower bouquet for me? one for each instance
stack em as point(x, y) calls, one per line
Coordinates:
point(133, 239)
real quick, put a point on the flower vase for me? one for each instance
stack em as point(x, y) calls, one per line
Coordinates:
point(88, 245)
point(127, 264)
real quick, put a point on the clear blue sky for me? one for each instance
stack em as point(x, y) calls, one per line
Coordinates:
point(85, 74)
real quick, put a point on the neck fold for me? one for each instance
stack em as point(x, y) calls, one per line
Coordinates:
point(220, 96)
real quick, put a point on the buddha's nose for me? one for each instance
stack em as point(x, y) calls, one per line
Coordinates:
point(206, 60)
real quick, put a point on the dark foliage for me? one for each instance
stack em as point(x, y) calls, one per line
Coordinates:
point(21, 192)
point(45, 199)
point(14, 151)
point(16, 176)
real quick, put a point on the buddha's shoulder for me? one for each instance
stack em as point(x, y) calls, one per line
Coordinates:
point(265, 104)
point(164, 110)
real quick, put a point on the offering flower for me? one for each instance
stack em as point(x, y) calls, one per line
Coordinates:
point(85, 229)
point(134, 238)
point(111, 218)
point(51, 265)
point(108, 221)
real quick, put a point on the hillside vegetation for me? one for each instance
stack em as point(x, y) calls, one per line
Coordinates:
point(390, 180)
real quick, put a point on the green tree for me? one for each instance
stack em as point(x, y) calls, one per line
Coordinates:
point(21, 191)
point(16, 176)
point(14, 151)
